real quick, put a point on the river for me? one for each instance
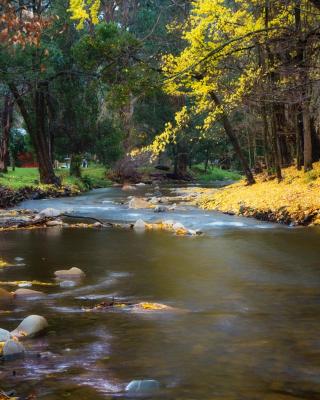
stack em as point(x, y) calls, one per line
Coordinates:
point(249, 291)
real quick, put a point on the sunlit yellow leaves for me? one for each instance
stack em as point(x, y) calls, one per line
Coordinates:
point(297, 195)
point(82, 11)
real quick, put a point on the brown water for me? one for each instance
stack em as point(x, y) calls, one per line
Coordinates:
point(250, 329)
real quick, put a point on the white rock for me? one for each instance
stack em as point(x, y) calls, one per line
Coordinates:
point(18, 259)
point(4, 335)
point(139, 224)
point(72, 273)
point(140, 184)
point(97, 224)
point(12, 348)
point(30, 326)
point(50, 212)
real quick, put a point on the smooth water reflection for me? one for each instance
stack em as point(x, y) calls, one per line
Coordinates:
point(249, 330)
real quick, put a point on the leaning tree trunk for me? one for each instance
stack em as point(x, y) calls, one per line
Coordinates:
point(38, 133)
point(234, 141)
point(6, 122)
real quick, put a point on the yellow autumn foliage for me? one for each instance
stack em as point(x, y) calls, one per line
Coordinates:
point(297, 197)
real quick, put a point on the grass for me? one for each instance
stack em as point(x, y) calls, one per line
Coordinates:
point(214, 174)
point(92, 177)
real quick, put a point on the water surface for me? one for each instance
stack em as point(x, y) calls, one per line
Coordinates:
point(250, 292)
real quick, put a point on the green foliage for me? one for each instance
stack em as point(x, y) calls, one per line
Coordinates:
point(92, 177)
point(214, 174)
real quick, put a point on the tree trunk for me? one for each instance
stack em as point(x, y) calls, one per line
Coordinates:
point(307, 139)
point(75, 165)
point(234, 141)
point(6, 122)
point(38, 133)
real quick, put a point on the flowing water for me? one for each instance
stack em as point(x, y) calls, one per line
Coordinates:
point(248, 292)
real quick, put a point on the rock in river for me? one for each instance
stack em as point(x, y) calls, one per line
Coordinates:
point(50, 212)
point(30, 326)
point(139, 225)
point(12, 348)
point(5, 296)
point(143, 386)
point(72, 273)
point(27, 293)
point(4, 335)
point(137, 202)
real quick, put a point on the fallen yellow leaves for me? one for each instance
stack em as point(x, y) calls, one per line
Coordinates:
point(153, 306)
point(294, 200)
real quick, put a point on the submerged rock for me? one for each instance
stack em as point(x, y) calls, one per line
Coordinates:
point(5, 296)
point(50, 212)
point(27, 293)
point(143, 386)
point(67, 284)
point(30, 326)
point(12, 348)
point(72, 273)
point(18, 259)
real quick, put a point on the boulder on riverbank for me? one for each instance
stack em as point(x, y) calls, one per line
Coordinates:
point(30, 326)
point(72, 273)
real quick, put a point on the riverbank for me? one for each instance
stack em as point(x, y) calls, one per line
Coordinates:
point(23, 184)
point(294, 201)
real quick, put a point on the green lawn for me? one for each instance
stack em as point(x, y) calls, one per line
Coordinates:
point(92, 177)
point(214, 174)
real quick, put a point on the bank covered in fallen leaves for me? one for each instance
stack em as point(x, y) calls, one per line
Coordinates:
point(295, 200)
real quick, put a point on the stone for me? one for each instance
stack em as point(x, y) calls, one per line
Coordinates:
point(18, 259)
point(5, 296)
point(67, 284)
point(72, 273)
point(30, 326)
point(55, 222)
point(50, 212)
point(139, 225)
point(141, 184)
point(12, 348)
point(177, 226)
point(137, 202)
point(154, 200)
point(4, 335)
point(27, 293)
point(97, 225)
point(128, 187)
point(161, 209)
point(143, 386)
